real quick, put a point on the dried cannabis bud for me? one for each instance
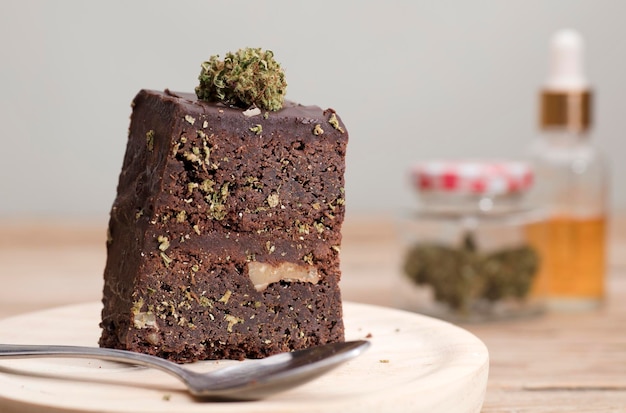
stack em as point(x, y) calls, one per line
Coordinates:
point(248, 77)
point(459, 276)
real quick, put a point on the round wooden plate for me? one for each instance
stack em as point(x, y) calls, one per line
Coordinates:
point(415, 364)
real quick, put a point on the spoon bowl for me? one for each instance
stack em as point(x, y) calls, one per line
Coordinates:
point(248, 380)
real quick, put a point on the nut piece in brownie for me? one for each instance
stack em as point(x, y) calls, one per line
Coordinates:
point(224, 236)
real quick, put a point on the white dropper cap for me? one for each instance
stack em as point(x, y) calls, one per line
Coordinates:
point(566, 62)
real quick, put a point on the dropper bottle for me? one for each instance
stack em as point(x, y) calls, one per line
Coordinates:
point(571, 182)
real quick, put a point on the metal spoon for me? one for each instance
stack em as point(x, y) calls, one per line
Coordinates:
point(249, 380)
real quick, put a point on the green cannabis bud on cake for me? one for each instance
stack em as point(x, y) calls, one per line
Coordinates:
point(246, 78)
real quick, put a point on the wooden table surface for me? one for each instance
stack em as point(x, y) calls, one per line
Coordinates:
point(558, 362)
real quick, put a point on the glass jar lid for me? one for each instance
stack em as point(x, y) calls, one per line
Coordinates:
point(491, 178)
point(472, 187)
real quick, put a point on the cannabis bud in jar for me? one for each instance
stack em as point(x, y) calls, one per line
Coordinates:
point(462, 276)
point(249, 77)
point(468, 255)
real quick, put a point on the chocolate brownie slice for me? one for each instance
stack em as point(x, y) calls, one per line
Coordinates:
point(224, 236)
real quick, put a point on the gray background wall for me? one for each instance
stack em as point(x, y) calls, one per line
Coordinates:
point(412, 80)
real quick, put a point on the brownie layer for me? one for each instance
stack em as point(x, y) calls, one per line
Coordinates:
point(213, 201)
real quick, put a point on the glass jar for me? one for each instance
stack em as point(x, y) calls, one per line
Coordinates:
point(468, 256)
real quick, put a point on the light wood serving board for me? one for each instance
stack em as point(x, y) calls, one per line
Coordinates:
point(415, 364)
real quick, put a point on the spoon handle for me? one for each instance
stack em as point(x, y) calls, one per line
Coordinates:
point(122, 356)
